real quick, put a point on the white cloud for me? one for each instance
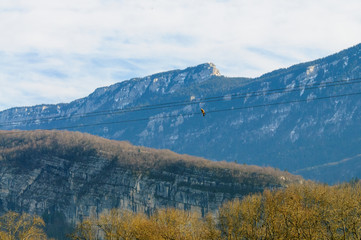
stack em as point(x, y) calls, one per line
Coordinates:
point(65, 49)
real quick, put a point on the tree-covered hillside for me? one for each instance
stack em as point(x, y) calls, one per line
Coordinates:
point(297, 118)
point(299, 211)
point(65, 177)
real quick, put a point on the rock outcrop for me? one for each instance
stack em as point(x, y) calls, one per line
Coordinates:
point(297, 118)
point(77, 175)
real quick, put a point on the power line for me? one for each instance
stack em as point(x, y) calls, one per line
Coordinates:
point(197, 113)
point(287, 102)
point(228, 97)
point(208, 112)
point(181, 103)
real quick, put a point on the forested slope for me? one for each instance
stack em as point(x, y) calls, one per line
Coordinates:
point(66, 176)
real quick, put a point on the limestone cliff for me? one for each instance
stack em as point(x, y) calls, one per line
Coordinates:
point(298, 118)
point(75, 175)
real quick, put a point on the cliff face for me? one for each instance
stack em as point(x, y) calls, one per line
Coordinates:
point(297, 118)
point(76, 175)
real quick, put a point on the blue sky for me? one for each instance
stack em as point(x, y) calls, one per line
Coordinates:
point(57, 51)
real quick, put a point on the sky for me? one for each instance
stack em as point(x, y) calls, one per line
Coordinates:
point(54, 51)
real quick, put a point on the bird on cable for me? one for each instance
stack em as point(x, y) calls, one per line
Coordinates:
point(203, 112)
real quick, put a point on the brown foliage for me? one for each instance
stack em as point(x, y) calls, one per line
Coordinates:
point(23, 147)
point(165, 224)
point(21, 226)
point(309, 211)
point(177, 224)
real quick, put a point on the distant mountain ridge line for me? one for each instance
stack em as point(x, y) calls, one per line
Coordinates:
point(194, 113)
point(212, 111)
point(293, 131)
point(281, 71)
point(230, 97)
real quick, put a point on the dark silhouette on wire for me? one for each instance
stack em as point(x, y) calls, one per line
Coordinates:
point(195, 113)
point(229, 97)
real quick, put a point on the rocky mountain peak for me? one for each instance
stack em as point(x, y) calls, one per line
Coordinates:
point(204, 71)
point(303, 114)
point(208, 68)
point(196, 74)
point(171, 81)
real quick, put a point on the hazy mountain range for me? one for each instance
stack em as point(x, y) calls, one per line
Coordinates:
point(305, 119)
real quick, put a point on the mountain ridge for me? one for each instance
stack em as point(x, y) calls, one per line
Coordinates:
point(293, 136)
point(344, 53)
point(68, 176)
